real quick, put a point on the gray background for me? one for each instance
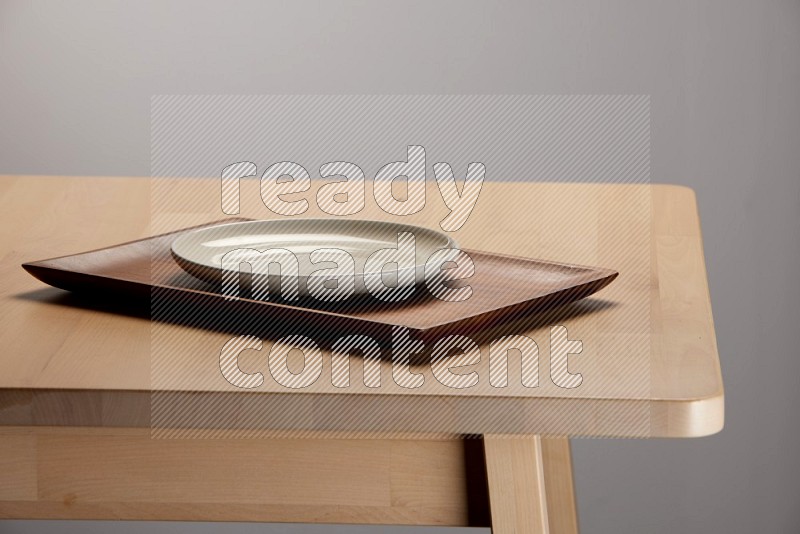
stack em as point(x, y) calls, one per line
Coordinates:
point(724, 80)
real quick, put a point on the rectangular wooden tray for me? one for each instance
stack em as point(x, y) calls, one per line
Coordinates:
point(504, 287)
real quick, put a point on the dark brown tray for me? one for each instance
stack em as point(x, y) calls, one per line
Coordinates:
point(504, 288)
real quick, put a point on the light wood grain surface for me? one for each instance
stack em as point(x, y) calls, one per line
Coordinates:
point(515, 484)
point(649, 362)
point(121, 473)
point(517, 493)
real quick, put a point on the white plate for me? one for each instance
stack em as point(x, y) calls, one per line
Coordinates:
point(200, 252)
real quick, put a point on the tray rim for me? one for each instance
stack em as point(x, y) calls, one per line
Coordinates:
point(599, 276)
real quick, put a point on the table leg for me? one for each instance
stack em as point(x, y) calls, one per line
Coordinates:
point(530, 485)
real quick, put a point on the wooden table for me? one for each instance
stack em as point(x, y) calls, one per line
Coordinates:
point(77, 376)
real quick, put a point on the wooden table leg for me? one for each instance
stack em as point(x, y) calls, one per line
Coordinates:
point(561, 509)
point(530, 485)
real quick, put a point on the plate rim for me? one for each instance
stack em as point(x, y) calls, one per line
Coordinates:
point(179, 258)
